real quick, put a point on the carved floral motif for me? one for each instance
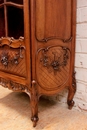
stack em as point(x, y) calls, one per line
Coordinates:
point(4, 58)
point(57, 61)
point(7, 56)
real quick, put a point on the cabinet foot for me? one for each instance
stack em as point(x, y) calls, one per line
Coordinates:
point(34, 120)
point(70, 104)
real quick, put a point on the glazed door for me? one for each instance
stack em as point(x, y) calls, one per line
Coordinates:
point(14, 44)
point(53, 37)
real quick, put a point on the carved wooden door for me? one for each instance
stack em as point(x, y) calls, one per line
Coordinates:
point(53, 33)
point(15, 45)
point(53, 48)
point(53, 39)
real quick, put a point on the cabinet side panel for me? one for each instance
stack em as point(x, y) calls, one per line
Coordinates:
point(53, 18)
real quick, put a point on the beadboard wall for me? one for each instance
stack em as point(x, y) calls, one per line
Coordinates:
point(80, 97)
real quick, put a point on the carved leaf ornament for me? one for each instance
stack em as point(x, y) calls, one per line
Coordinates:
point(8, 56)
point(55, 62)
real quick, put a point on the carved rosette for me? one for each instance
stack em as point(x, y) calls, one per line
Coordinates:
point(53, 65)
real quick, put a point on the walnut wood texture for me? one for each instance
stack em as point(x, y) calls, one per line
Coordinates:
point(49, 17)
point(53, 25)
point(37, 53)
point(14, 47)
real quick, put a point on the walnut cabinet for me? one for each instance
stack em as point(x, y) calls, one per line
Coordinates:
point(37, 48)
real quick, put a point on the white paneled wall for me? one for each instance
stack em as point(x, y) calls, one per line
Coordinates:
point(80, 60)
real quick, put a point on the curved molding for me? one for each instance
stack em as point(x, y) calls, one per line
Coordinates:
point(47, 48)
point(11, 42)
point(51, 38)
point(11, 4)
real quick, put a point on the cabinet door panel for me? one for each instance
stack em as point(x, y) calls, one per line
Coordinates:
point(15, 71)
point(53, 20)
point(53, 67)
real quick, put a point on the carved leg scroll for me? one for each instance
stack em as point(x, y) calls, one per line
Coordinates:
point(34, 104)
point(72, 90)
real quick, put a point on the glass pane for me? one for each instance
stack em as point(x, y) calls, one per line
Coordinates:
point(2, 24)
point(1, 1)
point(16, 1)
point(15, 22)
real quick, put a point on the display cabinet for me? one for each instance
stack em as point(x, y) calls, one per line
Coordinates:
point(37, 48)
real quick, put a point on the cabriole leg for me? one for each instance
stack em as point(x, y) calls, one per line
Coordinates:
point(72, 90)
point(34, 104)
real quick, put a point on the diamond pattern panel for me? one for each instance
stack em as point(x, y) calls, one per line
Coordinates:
point(15, 62)
point(53, 67)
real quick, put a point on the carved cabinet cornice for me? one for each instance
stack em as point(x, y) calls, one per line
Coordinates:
point(37, 48)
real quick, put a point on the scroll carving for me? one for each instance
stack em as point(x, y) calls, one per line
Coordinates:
point(11, 42)
point(55, 62)
point(12, 85)
point(51, 38)
point(7, 56)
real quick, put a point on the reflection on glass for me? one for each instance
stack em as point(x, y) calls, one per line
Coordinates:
point(16, 1)
point(2, 24)
point(15, 22)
